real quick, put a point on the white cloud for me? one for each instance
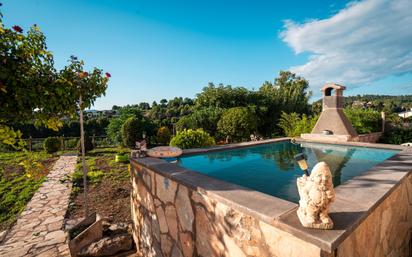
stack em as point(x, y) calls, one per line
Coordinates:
point(364, 42)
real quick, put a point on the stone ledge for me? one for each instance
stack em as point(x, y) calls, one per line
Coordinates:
point(355, 199)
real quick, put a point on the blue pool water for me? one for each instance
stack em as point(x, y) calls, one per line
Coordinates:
point(271, 169)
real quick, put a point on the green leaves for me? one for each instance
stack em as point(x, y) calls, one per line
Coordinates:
point(294, 124)
point(192, 139)
point(237, 123)
point(32, 90)
point(364, 120)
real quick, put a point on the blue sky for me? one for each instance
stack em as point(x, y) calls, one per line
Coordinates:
point(162, 49)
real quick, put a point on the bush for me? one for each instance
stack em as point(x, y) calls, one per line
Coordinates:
point(364, 120)
point(397, 136)
point(237, 123)
point(132, 131)
point(192, 139)
point(163, 135)
point(293, 124)
point(71, 143)
point(52, 144)
point(88, 144)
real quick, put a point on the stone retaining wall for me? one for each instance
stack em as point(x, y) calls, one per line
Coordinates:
point(179, 213)
point(171, 219)
point(387, 231)
point(369, 138)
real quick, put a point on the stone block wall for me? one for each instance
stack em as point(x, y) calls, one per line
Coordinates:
point(174, 220)
point(387, 231)
point(369, 138)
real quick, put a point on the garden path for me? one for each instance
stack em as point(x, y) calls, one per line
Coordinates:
point(39, 229)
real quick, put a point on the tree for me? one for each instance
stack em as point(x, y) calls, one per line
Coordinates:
point(205, 118)
point(115, 125)
point(237, 124)
point(83, 88)
point(294, 125)
point(163, 135)
point(28, 89)
point(132, 131)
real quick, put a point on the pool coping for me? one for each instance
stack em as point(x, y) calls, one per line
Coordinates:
point(355, 199)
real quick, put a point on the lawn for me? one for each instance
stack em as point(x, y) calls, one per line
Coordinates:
point(108, 186)
point(21, 174)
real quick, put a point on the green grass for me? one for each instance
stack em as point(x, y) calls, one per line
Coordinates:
point(17, 186)
point(101, 164)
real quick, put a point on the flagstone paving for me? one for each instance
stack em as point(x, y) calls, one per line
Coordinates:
point(38, 231)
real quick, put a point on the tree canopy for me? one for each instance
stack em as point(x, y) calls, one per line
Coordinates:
point(31, 90)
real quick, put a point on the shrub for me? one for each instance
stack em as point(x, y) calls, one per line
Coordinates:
point(237, 123)
point(132, 131)
point(52, 144)
point(88, 144)
point(163, 135)
point(397, 136)
point(293, 124)
point(71, 143)
point(364, 120)
point(192, 139)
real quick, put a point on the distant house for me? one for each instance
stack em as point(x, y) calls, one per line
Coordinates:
point(405, 114)
point(103, 113)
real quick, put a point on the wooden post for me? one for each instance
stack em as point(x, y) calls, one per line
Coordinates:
point(93, 140)
point(83, 158)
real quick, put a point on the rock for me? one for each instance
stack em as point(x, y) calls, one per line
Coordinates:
point(165, 189)
point(176, 252)
point(232, 249)
point(3, 235)
point(166, 244)
point(108, 246)
point(184, 209)
point(162, 219)
point(146, 197)
point(155, 227)
point(207, 242)
point(119, 228)
point(171, 219)
point(186, 242)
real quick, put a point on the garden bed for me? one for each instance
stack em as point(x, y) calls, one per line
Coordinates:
point(108, 187)
point(17, 185)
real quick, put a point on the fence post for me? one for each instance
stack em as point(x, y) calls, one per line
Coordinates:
point(93, 142)
point(30, 142)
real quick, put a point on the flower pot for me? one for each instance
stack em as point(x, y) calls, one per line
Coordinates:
point(87, 231)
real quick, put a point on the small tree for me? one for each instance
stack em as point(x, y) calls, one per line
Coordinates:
point(237, 123)
point(132, 131)
point(163, 135)
point(83, 88)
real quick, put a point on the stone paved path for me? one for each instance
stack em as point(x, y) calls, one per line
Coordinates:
point(38, 231)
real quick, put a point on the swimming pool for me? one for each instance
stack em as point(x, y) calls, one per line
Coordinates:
point(271, 169)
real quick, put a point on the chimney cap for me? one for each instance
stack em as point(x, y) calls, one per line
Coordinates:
point(332, 85)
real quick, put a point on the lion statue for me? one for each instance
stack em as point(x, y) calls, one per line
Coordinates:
point(316, 194)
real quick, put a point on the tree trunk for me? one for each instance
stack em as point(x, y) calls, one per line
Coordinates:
point(83, 158)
